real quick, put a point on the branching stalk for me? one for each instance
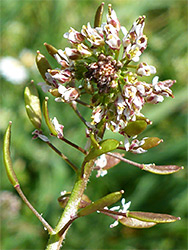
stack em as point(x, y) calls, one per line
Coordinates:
point(69, 214)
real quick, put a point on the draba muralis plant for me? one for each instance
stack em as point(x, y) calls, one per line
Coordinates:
point(105, 70)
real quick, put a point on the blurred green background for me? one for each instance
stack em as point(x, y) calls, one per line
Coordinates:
point(26, 25)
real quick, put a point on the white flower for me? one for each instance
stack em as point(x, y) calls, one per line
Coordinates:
point(97, 114)
point(112, 18)
point(38, 134)
point(67, 94)
point(92, 35)
point(74, 36)
point(58, 127)
point(13, 70)
point(100, 163)
point(84, 50)
point(125, 207)
point(145, 70)
point(135, 146)
point(112, 38)
point(126, 143)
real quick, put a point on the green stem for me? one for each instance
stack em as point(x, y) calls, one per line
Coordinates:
point(73, 106)
point(62, 156)
point(44, 222)
point(71, 209)
point(74, 145)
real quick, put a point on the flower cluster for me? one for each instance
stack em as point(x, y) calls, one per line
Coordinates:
point(95, 65)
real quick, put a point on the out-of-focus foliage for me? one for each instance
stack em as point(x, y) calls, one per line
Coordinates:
point(26, 25)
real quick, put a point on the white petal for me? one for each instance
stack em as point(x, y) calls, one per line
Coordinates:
point(155, 80)
point(126, 143)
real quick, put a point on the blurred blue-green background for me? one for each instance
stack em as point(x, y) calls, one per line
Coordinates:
point(25, 26)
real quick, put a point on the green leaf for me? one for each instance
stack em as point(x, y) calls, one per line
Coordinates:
point(32, 105)
point(135, 223)
point(153, 217)
point(98, 15)
point(42, 64)
point(135, 128)
point(164, 169)
point(47, 118)
point(101, 203)
point(105, 146)
point(6, 156)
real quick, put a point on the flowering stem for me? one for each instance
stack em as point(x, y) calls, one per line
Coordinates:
point(73, 106)
point(62, 156)
point(74, 145)
point(83, 103)
point(44, 222)
point(69, 214)
point(131, 66)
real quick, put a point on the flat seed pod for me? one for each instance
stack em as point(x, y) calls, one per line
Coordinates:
point(51, 50)
point(32, 105)
point(135, 128)
point(98, 15)
point(7, 159)
point(47, 118)
point(101, 203)
point(151, 142)
point(153, 217)
point(135, 223)
point(42, 64)
point(163, 170)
